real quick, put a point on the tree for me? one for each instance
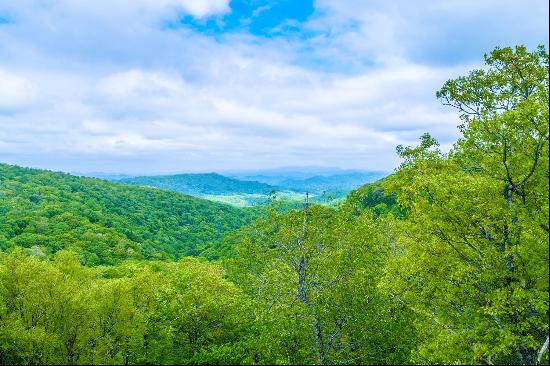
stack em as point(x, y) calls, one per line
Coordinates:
point(474, 258)
point(313, 275)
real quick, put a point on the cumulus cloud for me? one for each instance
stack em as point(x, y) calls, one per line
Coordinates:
point(117, 9)
point(97, 85)
point(15, 91)
point(201, 9)
point(448, 32)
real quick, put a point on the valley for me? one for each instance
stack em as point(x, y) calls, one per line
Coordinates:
point(257, 188)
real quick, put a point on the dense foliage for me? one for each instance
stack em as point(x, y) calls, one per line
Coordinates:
point(446, 261)
point(60, 312)
point(374, 198)
point(475, 241)
point(105, 222)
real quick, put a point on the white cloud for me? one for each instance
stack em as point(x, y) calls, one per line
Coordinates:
point(141, 84)
point(450, 31)
point(200, 9)
point(116, 9)
point(261, 114)
point(15, 91)
point(134, 97)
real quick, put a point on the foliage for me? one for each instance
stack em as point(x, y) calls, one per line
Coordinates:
point(473, 250)
point(372, 197)
point(313, 275)
point(105, 222)
point(59, 312)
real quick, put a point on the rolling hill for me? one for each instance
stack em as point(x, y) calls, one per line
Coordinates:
point(250, 190)
point(211, 186)
point(302, 176)
point(200, 184)
point(106, 222)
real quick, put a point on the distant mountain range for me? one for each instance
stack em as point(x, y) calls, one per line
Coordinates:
point(293, 174)
point(312, 179)
point(340, 182)
point(247, 188)
point(104, 176)
point(201, 184)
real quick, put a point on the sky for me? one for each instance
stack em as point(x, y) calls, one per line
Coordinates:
point(166, 86)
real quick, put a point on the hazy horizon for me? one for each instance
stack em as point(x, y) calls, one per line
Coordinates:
point(281, 171)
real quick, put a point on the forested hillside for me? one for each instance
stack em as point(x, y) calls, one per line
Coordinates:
point(201, 184)
point(216, 187)
point(105, 222)
point(446, 261)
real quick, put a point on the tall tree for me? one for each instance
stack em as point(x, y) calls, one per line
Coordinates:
point(474, 258)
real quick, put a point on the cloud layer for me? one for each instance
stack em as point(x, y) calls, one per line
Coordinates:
point(97, 85)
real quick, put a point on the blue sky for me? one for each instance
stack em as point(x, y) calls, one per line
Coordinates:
point(162, 86)
point(259, 18)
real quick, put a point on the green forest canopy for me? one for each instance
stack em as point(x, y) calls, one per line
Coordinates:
point(106, 222)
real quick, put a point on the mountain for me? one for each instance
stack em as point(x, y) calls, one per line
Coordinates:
point(201, 184)
point(311, 179)
point(105, 176)
point(106, 222)
point(291, 184)
point(339, 182)
point(212, 186)
point(277, 175)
